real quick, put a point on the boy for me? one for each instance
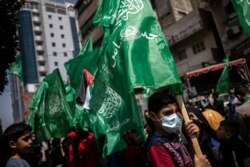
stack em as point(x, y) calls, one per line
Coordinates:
point(18, 140)
point(165, 147)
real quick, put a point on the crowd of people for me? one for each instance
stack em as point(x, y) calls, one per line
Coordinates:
point(223, 133)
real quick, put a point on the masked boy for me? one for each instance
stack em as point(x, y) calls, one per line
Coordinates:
point(165, 147)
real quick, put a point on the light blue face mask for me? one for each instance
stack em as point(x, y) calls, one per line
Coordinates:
point(172, 123)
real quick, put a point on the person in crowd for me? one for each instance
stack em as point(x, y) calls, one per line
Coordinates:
point(134, 155)
point(56, 155)
point(88, 153)
point(212, 117)
point(232, 151)
point(233, 99)
point(71, 136)
point(233, 102)
point(218, 104)
point(44, 156)
point(243, 112)
point(205, 141)
point(18, 140)
point(165, 147)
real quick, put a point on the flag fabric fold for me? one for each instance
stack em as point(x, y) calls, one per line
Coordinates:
point(50, 114)
point(113, 108)
point(135, 42)
point(223, 84)
point(242, 8)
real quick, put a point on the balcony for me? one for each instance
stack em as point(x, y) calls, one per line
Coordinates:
point(41, 59)
point(39, 48)
point(37, 29)
point(185, 27)
point(38, 38)
point(35, 12)
point(36, 19)
point(42, 68)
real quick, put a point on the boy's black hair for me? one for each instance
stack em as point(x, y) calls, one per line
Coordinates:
point(231, 126)
point(159, 100)
point(14, 131)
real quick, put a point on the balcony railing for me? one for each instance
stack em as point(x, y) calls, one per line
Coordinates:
point(37, 29)
point(42, 68)
point(40, 59)
point(36, 19)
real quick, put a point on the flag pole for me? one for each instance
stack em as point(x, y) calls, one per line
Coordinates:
point(184, 113)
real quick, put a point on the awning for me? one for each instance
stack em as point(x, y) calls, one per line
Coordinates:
point(215, 67)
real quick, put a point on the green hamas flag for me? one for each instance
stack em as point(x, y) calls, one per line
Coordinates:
point(113, 109)
point(50, 114)
point(75, 66)
point(223, 84)
point(136, 43)
point(16, 67)
point(242, 8)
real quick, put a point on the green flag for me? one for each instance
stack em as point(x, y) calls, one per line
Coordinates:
point(242, 8)
point(223, 84)
point(70, 96)
point(50, 114)
point(16, 67)
point(75, 66)
point(113, 109)
point(135, 42)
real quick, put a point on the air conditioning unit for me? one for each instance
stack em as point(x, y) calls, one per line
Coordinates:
point(233, 31)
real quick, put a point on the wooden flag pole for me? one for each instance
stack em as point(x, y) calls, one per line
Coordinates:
point(184, 113)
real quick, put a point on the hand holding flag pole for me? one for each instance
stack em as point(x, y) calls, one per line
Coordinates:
point(184, 113)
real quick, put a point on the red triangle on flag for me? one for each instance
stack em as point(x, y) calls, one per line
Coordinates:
point(88, 76)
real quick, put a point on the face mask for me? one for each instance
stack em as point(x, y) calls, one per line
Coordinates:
point(172, 123)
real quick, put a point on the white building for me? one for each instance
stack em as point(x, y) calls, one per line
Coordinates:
point(48, 36)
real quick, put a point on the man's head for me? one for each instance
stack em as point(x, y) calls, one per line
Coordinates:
point(18, 137)
point(241, 92)
point(228, 130)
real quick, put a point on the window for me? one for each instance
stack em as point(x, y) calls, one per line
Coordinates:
point(181, 55)
point(50, 25)
point(59, 18)
point(54, 54)
point(181, 13)
point(65, 54)
point(49, 16)
point(62, 36)
point(50, 9)
point(198, 47)
point(61, 11)
point(52, 35)
point(63, 45)
point(61, 27)
point(53, 44)
point(56, 63)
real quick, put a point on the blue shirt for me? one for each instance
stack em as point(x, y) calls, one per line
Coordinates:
point(15, 162)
